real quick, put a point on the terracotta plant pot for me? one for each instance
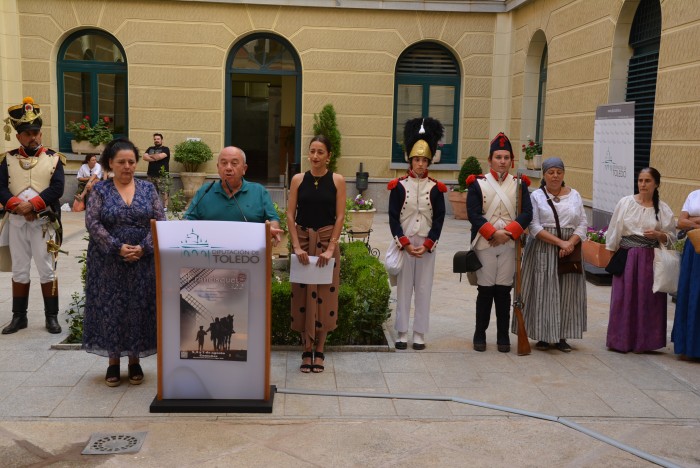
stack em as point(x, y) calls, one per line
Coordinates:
point(360, 222)
point(85, 147)
point(458, 200)
point(281, 249)
point(191, 181)
point(596, 254)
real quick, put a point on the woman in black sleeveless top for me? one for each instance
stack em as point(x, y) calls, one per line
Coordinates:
point(315, 216)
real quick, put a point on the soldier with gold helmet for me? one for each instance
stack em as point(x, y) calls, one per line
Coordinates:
point(31, 185)
point(416, 216)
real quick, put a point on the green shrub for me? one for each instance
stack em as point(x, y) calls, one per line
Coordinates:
point(363, 301)
point(470, 166)
point(192, 154)
point(325, 124)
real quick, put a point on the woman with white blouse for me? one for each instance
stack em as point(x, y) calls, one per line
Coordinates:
point(554, 304)
point(639, 223)
point(88, 174)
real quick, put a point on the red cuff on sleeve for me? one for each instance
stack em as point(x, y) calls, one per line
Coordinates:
point(38, 204)
point(515, 229)
point(428, 244)
point(404, 241)
point(487, 231)
point(12, 203)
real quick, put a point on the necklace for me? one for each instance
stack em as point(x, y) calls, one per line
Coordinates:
point(316, 179)
point(556, 197)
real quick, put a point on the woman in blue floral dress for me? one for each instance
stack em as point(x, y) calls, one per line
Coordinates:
point(120, 306)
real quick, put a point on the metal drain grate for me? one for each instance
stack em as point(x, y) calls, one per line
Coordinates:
point(105, 444)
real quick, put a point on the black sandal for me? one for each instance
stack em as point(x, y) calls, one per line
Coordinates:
point(306, 368)
point(318, 368)
point(135, 374)
point(113, 373)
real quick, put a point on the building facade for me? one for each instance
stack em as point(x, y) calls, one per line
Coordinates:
point(254, 74)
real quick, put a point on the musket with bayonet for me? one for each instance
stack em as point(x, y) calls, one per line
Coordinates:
point(523, 342)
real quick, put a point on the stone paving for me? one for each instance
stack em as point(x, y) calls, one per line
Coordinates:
point(51, 401)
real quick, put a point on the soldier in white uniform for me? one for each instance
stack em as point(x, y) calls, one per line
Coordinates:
point(31, 185)
point(491, 206)
point(416, 216)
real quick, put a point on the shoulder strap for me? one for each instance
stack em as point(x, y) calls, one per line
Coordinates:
point(556, 216)
point(504, 198)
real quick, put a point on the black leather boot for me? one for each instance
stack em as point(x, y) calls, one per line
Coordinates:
point(502, 300)
point(51, 307)
point(20, 302)
point(484, 299)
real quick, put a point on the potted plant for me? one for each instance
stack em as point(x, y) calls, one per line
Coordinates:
point(89, 138)
point(282, 249)
point(457, 196)
point(192, 154)
point(360, 215)
point(593, 248)
point(533, 153)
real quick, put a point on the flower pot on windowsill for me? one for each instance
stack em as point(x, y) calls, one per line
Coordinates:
point(85, 147)
point(538, 161)
point(360, 222)
point(458, 200)
point(530, 163)
point(191, 181)
point(596, 254)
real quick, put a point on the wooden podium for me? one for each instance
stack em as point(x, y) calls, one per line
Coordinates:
point(214, 312)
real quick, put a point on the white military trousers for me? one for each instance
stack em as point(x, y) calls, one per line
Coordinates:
point(415, 279)
point(27, 241)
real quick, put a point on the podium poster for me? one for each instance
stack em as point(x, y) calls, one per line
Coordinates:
point(613, 155)
point(213, 282)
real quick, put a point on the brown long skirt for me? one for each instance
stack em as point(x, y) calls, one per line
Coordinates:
point(315, 306)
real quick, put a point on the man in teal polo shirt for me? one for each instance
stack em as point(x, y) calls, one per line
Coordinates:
point(232, 198)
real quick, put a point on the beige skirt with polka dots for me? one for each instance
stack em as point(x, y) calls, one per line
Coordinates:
point(315, 306)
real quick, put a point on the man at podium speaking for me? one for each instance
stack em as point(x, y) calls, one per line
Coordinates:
point(232, 198)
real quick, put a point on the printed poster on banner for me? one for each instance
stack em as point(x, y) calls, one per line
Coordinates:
point(613, 155)
point(214, 314)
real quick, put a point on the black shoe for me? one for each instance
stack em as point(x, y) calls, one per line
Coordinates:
point(52, 324)
point(19, 321)
point(563, 346)
point(504, 348)
point(542, 345)
point(419, 346)
point(401, 345)
point(481, 347)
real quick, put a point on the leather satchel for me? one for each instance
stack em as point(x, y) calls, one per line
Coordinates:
point(572, 263)
point(465, 261)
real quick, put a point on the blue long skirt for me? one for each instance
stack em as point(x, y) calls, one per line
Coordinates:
point(686, 325)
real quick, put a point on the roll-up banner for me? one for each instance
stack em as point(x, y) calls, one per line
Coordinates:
point(613, 158)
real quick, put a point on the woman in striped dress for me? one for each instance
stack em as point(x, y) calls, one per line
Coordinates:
point(555, 305)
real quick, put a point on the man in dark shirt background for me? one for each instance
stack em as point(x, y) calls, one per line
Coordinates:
point(157, 156)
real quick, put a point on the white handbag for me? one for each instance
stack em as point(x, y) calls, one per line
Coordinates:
point(393, 262)
point(667, 269)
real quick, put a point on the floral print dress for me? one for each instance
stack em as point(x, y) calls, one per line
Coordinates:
point(120, 306)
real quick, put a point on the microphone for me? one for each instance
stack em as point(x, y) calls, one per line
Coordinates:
point(191, 210)
point(233, 195)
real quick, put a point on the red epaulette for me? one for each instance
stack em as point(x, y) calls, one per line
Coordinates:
point(391, 185)
point(527, 180)
point(472, 178)
point(441, 187)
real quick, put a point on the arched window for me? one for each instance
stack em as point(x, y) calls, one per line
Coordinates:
point(645, 39)
point(263, 89)
point(427, 85)
point(92, 81)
